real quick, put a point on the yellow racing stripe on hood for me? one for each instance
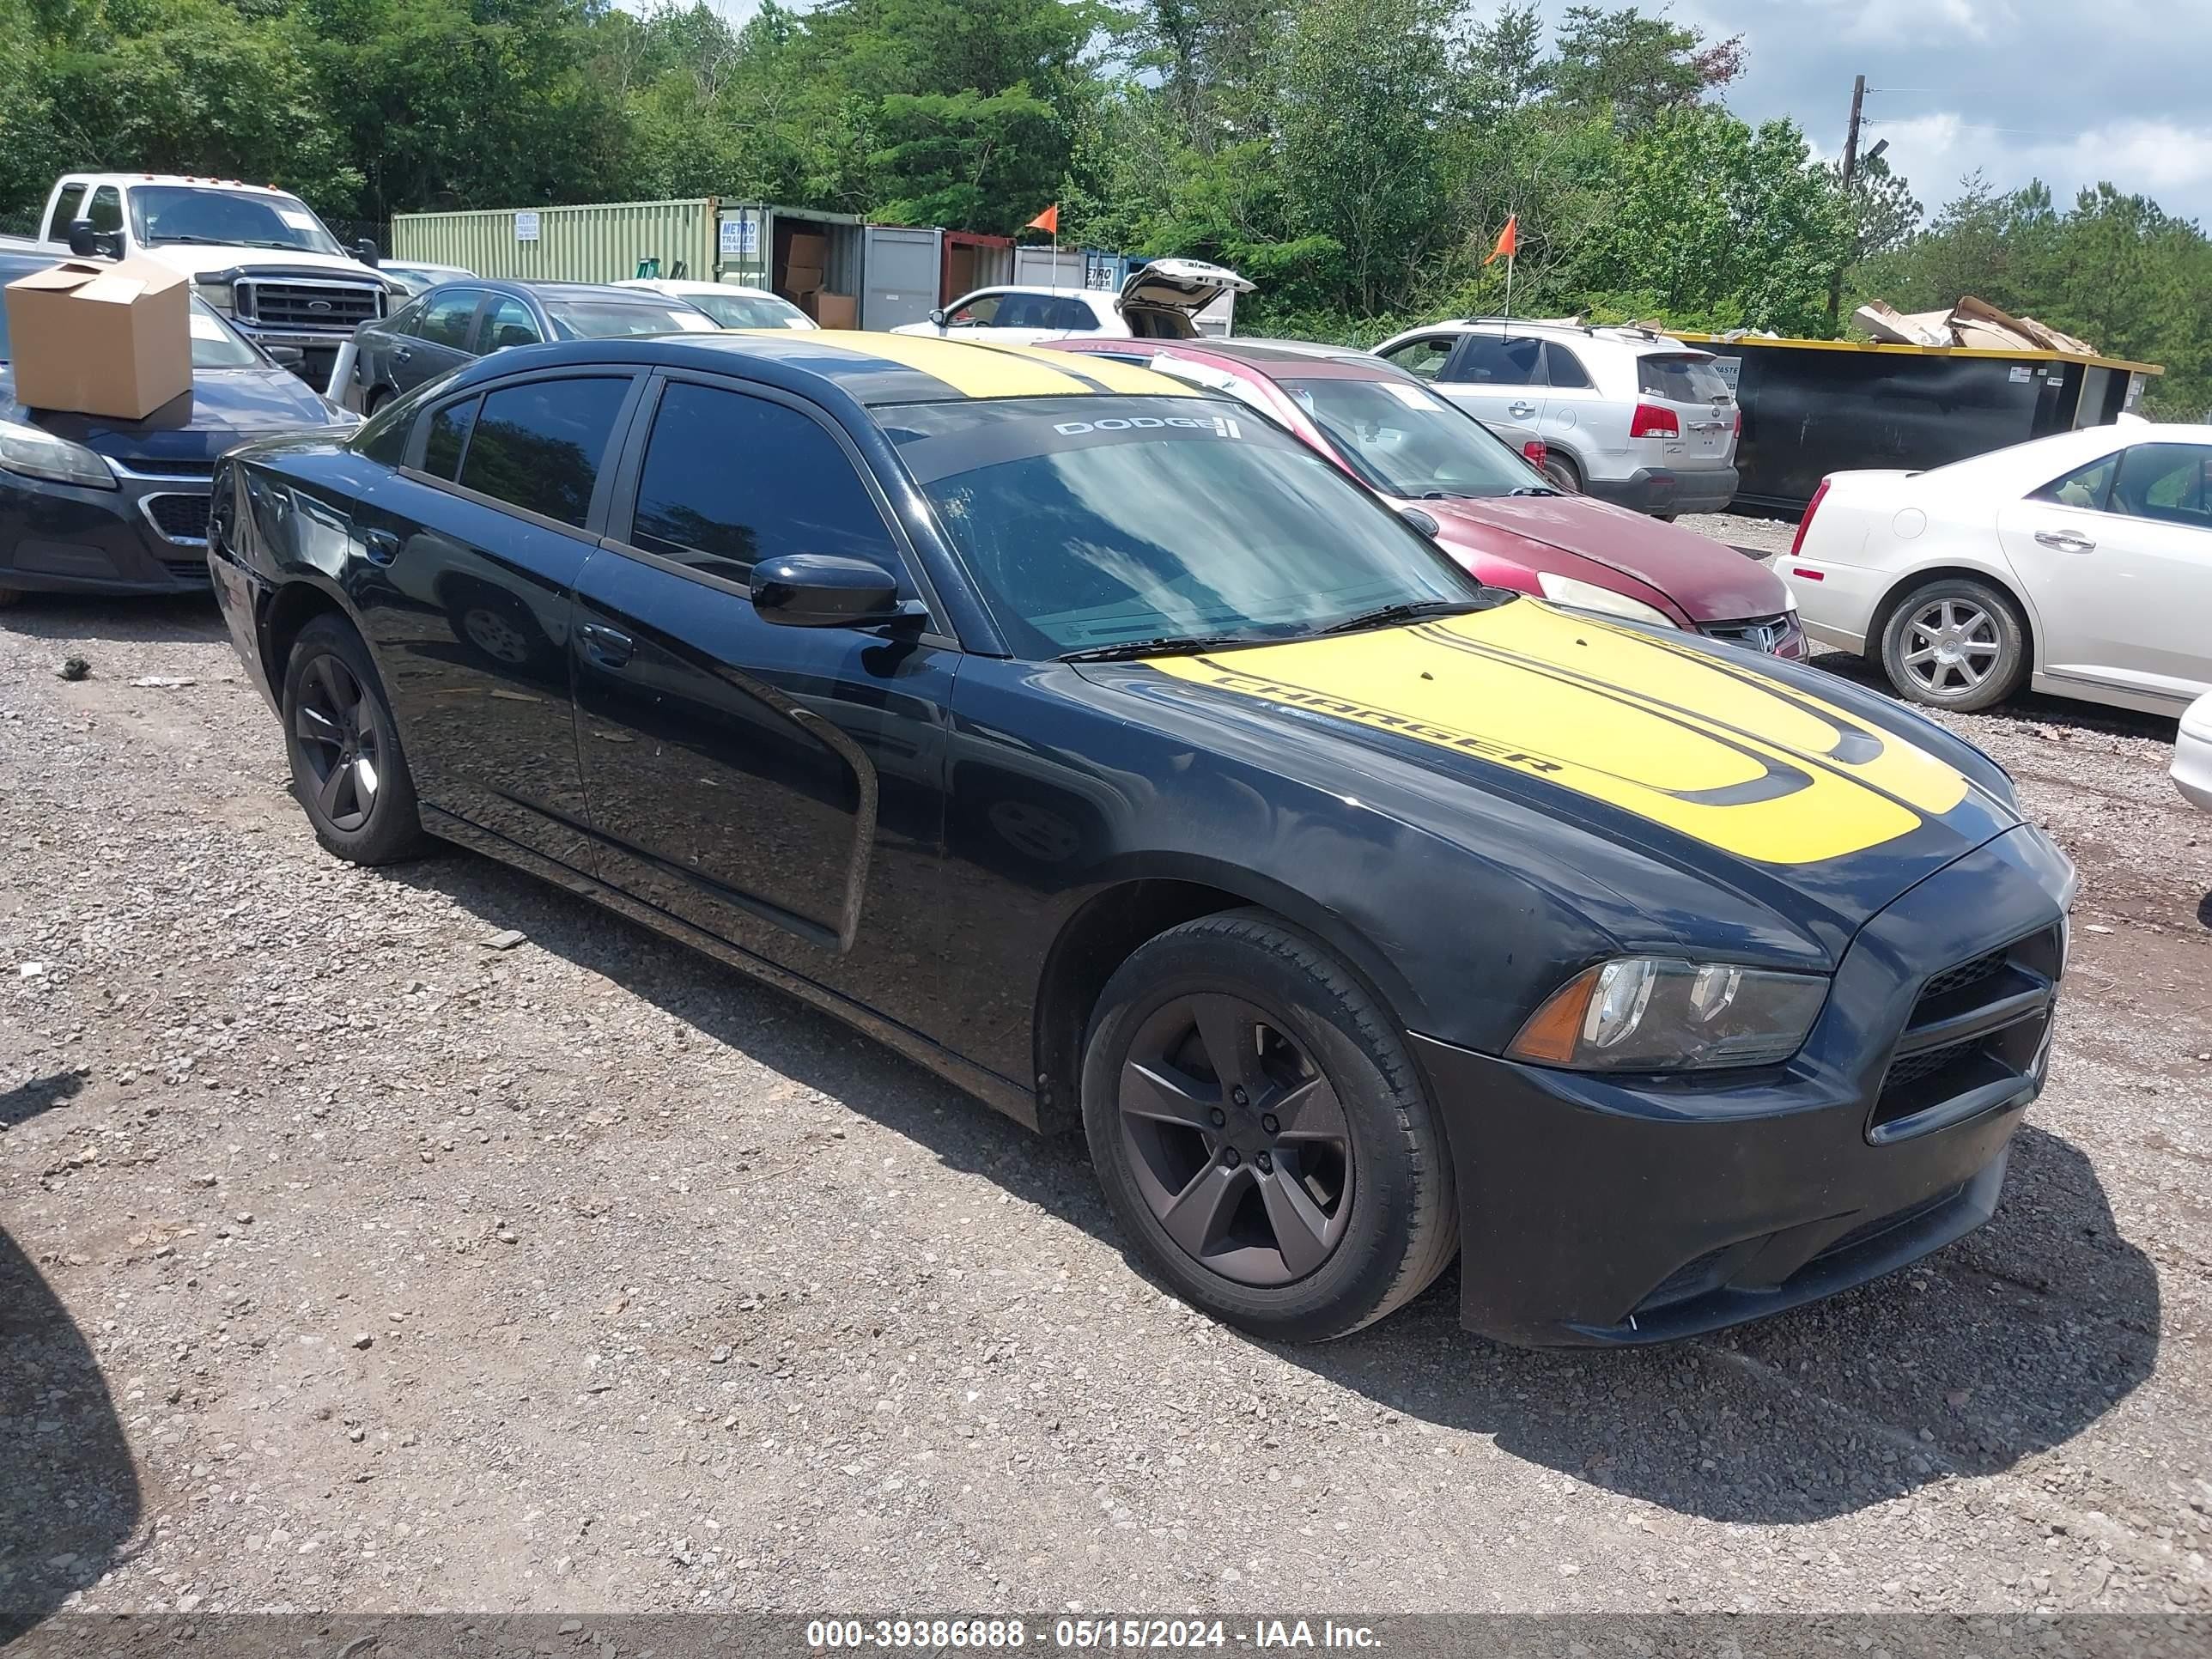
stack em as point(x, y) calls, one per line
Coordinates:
point(973, 371)
point(1742, 764)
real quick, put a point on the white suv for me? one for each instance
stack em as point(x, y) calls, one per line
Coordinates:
point(1638, 419)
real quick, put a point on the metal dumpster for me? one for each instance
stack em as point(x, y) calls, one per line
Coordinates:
point(1813, 407)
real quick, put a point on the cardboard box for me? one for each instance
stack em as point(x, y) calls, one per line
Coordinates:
point(836, 310)
point(801, 279)
point(98, 338)
point(807, 248)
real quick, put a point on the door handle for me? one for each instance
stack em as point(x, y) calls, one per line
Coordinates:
point(1521, 411)
point(609, 648)
point(379, 546)
point(2066, 541)
point(403, 354)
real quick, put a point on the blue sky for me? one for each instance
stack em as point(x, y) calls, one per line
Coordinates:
point(2067, 91)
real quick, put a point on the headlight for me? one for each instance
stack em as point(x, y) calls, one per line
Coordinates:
point(220, 295)
point(38, 454)
point(1588, 596)
point(1657, 1014)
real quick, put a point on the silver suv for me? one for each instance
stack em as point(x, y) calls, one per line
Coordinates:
point(1637, 419)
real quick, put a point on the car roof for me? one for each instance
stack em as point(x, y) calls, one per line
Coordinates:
point(1049, 292)
point(171, 179)
point(1632, 339)
point(869, 369)
point(681, 286)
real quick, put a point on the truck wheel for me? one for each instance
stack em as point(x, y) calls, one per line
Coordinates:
point(1261, 1131)
point(1954, 643)
point(348, 769)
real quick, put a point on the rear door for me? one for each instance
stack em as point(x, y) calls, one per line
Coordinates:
point(1497, 378)
point(475, 542)
point(2118, 557)
point(779, 787)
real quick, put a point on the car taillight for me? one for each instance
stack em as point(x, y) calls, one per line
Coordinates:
point(1739, 420)
point(1805, 524)
point(1650, 420)
point(1537, 450)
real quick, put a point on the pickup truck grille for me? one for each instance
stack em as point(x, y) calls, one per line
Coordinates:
point(299, 304)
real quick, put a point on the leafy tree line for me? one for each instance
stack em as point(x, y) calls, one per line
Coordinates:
point(1354, 157)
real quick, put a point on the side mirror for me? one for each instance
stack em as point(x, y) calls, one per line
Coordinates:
point(938, 318)
point(1420, 521)
point(366, 250)
point(86, 243)
point(286, 357)
point(824, 590)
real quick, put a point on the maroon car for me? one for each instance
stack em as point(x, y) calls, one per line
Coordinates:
point(1492, 509)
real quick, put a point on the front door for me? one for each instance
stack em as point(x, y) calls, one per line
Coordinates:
point(2118, 557)
point(474, 544)
point(442, 339)
point(781, 788)
point(1497, 379)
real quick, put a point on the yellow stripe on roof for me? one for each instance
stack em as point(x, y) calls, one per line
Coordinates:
point(971, 371)
point(1114, 376)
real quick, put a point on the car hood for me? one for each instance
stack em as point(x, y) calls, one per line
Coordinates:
point(225, 407)
point(1789, 787)
point(1707, 580)
point(194, 260)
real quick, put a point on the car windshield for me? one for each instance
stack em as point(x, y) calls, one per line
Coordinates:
point(750, 311)
point(607, 320)
point(213, 344)
point(1407, 441)
point(1092, 523)
point(233, 218)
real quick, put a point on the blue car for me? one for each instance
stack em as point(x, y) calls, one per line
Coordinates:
point(90, 505)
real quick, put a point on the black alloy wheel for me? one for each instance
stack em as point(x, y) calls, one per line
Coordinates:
point(1261, 1133)
point(348, 768)
point(333, 725)
point(1236, 1141)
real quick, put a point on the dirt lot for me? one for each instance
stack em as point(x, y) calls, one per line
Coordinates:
point(347, 1262)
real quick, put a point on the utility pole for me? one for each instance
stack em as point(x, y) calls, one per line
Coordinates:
point(1849, 172)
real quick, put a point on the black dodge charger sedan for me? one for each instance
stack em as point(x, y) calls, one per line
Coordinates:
point(1092, 742)
point(90, 505)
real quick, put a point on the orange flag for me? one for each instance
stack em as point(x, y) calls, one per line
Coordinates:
point(1508, 239)
point(1048, 220)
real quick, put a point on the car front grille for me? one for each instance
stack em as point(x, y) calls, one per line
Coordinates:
point(336, 305)
point(1773, 635)
point(178, 518)
point(169, 466)
point(1977, 1031)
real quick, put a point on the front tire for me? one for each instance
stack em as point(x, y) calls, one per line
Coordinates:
point(1261, 1133)
point(1954, 643)
point(348, 769)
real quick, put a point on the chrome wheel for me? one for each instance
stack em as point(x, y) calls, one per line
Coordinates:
point(337, 733)
point(1952, 646)
point(1237, 1143)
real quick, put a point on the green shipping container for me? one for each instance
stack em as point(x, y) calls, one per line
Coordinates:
point(604, 243)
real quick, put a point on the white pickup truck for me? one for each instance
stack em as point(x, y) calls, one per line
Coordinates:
point(257, 254)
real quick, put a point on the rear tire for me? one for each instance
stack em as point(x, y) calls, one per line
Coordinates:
point(1955, 642)
point(348, 768)
point(1562, 472)
point(1261, 1133)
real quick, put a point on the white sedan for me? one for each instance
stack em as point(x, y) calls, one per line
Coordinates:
point(2080, 564)
point(727, 303)
point(2192, 753)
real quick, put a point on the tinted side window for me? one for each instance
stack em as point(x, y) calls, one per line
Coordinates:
point(2086, 486)
point(106, 210)
point(449, 436)
point(980, 311)
point(729, 480)
point(1488, 361)
point(1424, 356)
point(540, 445)
point(384, 438)
point(1073, 317)
point(408, 320)
point(508, 323)
point(2165, 481)
point(67, 210)
point(445, 314)
point(1564, 366)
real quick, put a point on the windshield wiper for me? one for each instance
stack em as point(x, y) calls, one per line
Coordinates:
point(1389, 614)
point(1533, 489)
point(1172, 644)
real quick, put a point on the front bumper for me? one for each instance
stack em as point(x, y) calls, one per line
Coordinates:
point(148, 535)
point(1597, 1211)
point(1668, 490)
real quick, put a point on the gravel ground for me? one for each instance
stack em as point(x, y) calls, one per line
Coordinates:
point(347, 1262)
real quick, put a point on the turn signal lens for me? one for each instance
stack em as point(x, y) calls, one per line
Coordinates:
point(1659, 1014)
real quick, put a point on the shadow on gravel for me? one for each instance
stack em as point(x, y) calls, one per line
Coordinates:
point(65, 618)
point(2022, 708)
point(2006, 1344)
point(68, 1497)
point(41, 1094)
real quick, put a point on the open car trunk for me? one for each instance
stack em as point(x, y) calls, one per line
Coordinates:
point(1160, 299)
